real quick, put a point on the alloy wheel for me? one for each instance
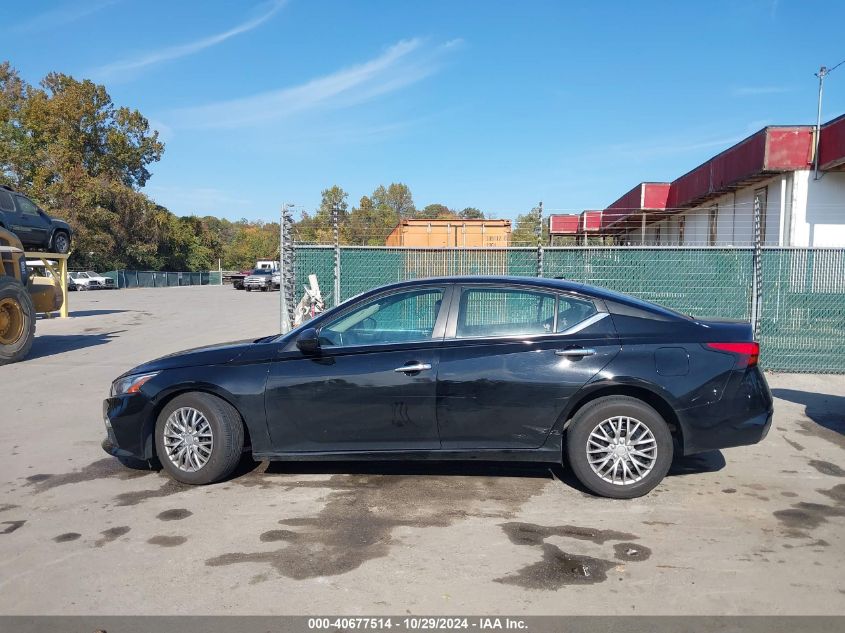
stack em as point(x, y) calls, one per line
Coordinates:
point(188, 439)
point(621, 450)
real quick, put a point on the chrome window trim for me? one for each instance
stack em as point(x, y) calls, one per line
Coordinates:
point(598, 316)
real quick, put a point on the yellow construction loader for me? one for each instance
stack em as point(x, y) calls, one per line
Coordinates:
point(22, 296)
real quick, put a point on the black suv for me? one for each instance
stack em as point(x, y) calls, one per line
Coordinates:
point(34, 228)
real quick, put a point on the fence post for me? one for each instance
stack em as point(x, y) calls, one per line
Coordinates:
point(336, 237)
point(539, 230)
point(286, 274)
point(757, 272)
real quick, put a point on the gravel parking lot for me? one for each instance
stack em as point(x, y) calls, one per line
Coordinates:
point(755, 530)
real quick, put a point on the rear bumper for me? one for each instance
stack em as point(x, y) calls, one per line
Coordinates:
point(741, 417)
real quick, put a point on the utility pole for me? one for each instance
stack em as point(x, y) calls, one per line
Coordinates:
point(823, 72)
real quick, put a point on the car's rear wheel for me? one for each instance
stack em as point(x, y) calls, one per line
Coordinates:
point(619, 447)
point(61, 243)
point(199, 438)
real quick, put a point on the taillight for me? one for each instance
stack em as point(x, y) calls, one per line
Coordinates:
point(748, 352)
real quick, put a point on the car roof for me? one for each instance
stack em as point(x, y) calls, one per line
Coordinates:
point(540, 282)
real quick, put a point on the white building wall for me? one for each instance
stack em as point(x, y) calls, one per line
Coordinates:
point(823, 223)
point(799, 211)
point(696, 227)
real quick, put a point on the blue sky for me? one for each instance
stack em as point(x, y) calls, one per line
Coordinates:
point(496, 105)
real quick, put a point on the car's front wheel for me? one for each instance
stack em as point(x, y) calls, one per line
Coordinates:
point(199, 438)
point(619, 447)
point(61, 243)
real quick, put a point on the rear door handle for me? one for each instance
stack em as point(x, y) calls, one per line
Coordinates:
point(405, 369)
point(575, 352)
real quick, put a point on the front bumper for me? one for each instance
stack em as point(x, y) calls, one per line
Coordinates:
point(129, 427)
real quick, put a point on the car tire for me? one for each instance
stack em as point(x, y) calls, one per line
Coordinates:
point(216, 459)
point(247, 288)
point(611, 470)
point(61, 243)
point(17, 321)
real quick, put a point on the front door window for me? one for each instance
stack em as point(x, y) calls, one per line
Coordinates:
point(402, 317)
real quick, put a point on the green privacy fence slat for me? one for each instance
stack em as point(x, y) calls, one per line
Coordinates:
point(803, 310)
point(803, 290)
point(700, 282)
point(161, 279)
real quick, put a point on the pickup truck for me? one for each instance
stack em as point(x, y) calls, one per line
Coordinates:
point(262, 279)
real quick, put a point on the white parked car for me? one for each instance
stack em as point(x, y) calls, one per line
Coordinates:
point(89, 280)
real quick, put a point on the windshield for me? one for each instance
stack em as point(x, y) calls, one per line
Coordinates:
point(260, 271)
point(91, 273)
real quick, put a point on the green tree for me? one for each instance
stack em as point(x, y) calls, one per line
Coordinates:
point(471, 213)
point(437, 211)
point(368, 225)
point(318, 228)
point(67, 146)
point(527, 224)
point(397, 198)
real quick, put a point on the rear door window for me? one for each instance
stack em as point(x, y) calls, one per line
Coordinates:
point(502, 312)
point(573, 310)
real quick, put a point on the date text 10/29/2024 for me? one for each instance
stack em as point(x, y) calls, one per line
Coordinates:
point(420, 623)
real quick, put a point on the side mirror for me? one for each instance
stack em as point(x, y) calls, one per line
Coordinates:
point(308, 342)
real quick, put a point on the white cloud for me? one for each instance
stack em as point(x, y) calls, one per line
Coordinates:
point(403, 64)
point(121, 67)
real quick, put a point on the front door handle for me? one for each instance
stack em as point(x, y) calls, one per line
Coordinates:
point(412, 368)
point(575, 352)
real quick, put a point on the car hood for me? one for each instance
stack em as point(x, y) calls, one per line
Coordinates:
point(209, 355)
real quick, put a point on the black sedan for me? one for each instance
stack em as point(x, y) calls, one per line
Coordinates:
point(491, 368)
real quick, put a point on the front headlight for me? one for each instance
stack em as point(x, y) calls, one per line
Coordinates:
point(130, 384)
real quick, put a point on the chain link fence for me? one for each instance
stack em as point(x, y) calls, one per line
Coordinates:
point(802, 292)
point(161, 279)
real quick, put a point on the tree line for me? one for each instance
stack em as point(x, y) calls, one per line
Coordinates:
point(65, 144)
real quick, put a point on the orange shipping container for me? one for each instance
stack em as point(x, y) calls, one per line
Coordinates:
point(451, 233)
